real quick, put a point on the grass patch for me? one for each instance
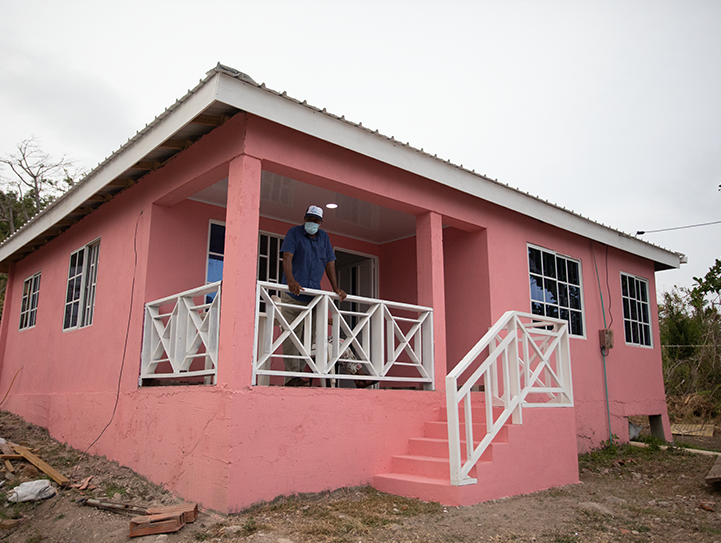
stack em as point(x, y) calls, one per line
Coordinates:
point(111, 489)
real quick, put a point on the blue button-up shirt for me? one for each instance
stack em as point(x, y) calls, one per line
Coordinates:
point(310, 257)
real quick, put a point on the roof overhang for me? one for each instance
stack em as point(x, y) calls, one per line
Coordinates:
point(224, 92)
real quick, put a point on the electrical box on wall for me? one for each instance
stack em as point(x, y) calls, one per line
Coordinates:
point(605, 337)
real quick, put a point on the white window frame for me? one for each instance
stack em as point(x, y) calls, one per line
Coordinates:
point(557, 280)
point(628, 319)
point(83, 297)
point(29, 304)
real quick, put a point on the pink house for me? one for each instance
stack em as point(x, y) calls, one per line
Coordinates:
point(146, 298)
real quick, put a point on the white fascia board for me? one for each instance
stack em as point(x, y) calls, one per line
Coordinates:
point(286, 112)
point(147, 140)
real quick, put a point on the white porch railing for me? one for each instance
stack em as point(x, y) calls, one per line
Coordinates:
point(527, 365)
point(392, 341)
point(180, 338)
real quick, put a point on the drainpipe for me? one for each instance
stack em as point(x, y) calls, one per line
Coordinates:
point(603, 351)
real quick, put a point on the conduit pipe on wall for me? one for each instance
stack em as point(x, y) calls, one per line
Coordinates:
point(603, 354)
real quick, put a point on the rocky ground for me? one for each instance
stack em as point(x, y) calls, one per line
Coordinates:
point(626, 494)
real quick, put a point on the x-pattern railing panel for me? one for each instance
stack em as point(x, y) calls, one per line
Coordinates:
point(527, 355)
point(373, 336)
point(188, 332)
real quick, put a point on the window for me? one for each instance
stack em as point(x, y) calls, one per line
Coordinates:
point(556, 287)
point(29, 305)
point(270, 259)
point(80, 297)
point(636, 312)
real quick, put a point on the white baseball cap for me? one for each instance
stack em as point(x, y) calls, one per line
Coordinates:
point(314, 211)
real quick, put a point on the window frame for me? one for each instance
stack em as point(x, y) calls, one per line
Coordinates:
point(647, 302)
point(29, 302)
point(531, 274)
point(88, 278)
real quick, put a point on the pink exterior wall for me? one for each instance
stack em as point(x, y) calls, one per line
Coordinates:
point(230, 445)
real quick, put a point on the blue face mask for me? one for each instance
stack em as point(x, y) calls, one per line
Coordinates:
point(312, 228)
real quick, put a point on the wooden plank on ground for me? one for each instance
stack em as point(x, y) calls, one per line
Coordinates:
point(714, 475)
point(5, 448)
point(156, 524)
point(189, 511)
point(9, 524)
point(702, 430)
point(42, 466)
point(11, 457)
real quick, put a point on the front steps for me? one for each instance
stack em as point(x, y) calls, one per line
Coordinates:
point(520, 459)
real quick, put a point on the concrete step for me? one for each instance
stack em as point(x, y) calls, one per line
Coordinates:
point(439, 430)
point(438, 448)
point(424, 466)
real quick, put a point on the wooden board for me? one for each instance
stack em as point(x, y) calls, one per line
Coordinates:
point(155, 524)
point(714, 476)
point(42, 466)
point(188, 510)
point(703, 430)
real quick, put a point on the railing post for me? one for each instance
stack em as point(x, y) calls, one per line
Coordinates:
point(514, 377)
point(454, 437)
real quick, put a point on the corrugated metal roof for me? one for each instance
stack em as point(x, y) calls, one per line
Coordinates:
point(116, 172)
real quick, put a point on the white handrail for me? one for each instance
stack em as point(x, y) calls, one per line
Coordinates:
point(528, 358)
point(176, 338)
point(373, 334)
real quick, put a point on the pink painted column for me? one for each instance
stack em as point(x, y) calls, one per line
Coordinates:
point(237, 317)
point(431, 284)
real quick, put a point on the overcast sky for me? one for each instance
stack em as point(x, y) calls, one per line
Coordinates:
point(609, 108)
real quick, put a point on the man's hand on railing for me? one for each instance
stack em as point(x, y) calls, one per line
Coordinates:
point(341, 294)
point(294, 287)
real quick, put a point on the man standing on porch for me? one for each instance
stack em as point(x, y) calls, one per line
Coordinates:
point(307, 252)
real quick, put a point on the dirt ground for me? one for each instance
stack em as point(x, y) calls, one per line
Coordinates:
point(626, 495)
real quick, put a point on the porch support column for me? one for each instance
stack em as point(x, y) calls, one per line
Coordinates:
point(237, 304)
point(431, 285)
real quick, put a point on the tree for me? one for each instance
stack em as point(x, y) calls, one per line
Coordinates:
point(35, 180)
point(690, 324)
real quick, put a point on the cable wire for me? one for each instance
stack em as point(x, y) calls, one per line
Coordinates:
point(125, 346)
point(641, 232)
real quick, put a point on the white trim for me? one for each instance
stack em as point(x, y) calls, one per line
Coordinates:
point(580, 280)
point(286, 112)
point(648, 303)
point(22, 297)
point(124, 159)
point(82, 300)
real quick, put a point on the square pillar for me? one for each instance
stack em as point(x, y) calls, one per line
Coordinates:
point(237, 305)
point(431, 285)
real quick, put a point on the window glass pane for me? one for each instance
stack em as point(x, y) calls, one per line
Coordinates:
point(565, 314)
point(262, 269)
point(536, 308)
point(552, 311)
point(576, 323)
point(273, 271)
point(536, 288)
point(573, 276)
point(551, 291)
point(574, 297)
point(562, 295)
point(624, 285)
point(549, 265)
point(534, 261)
point(632, 289)
point(641, 288)
point(647, 334)
point(627, 329)
point(561, 268)
point(626, 310)
point(215, 269)
point(634, 314)
point(644, 313)
point(634, 332)
point(263, 245)
point(217, 239)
